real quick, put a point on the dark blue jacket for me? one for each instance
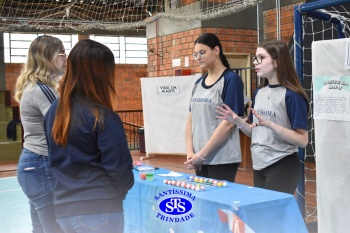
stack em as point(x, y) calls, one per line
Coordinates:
point(94, 170)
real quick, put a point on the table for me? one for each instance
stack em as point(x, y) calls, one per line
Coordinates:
point(235, 208)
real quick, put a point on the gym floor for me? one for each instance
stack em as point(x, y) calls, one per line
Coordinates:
point(19, 215)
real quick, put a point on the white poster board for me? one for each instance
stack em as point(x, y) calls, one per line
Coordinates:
point(332, 137)
point(166, 102)
point(332, 98)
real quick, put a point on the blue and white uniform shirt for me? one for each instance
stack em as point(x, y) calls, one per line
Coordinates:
point(227, 89)
point(281, 106)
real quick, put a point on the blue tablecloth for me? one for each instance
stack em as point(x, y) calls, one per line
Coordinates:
point(235, 208)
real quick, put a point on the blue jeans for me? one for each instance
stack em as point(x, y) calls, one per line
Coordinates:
point(37, 184)
point(93, 223)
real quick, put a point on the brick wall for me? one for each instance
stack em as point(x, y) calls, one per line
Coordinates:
point(163, 49)
point(127, 82)
point(11, 73)
point(129, 85)
point(181, 45)
point(287, 23)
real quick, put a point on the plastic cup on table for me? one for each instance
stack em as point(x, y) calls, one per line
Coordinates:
point(143, 174)
point(149, 173)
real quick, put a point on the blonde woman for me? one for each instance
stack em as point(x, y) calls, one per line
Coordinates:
point(36, 89)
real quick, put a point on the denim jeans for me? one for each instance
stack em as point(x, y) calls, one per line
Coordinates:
point(37, 183)
point(93, 223)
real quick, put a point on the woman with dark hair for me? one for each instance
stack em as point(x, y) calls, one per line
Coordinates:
point(90, 158)
point(279, 115)
point(213, 145)
point(36, 89)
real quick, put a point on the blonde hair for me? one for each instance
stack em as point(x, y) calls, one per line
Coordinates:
point(40, 65)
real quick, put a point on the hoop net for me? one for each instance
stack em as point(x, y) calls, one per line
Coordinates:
point(315, 30)
point(111, 15)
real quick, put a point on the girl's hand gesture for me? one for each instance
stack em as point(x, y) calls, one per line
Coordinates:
point(226, 113)
point(261, 120)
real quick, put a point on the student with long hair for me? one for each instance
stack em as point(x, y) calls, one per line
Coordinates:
point(213, 145)
point(36, 89)
point(87, 144)
point(279, 119)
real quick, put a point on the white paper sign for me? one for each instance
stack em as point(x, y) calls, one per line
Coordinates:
point(176, 62)
point(187, 61)
point(332, 98)
point(166, 102)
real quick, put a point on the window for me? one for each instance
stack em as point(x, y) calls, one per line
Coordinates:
point(126, 50)
point(16, 45)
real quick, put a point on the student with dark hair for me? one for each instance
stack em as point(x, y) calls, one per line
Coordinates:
point(280, 109)
point(36, 89)
point(213, 145)
point(89, 154)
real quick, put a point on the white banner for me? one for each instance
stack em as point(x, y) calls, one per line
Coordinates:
point(332, 134)
point(166, 102)
point(332, 98)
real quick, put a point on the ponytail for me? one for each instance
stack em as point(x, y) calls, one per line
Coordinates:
point(211, 40)
point(224, 60)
